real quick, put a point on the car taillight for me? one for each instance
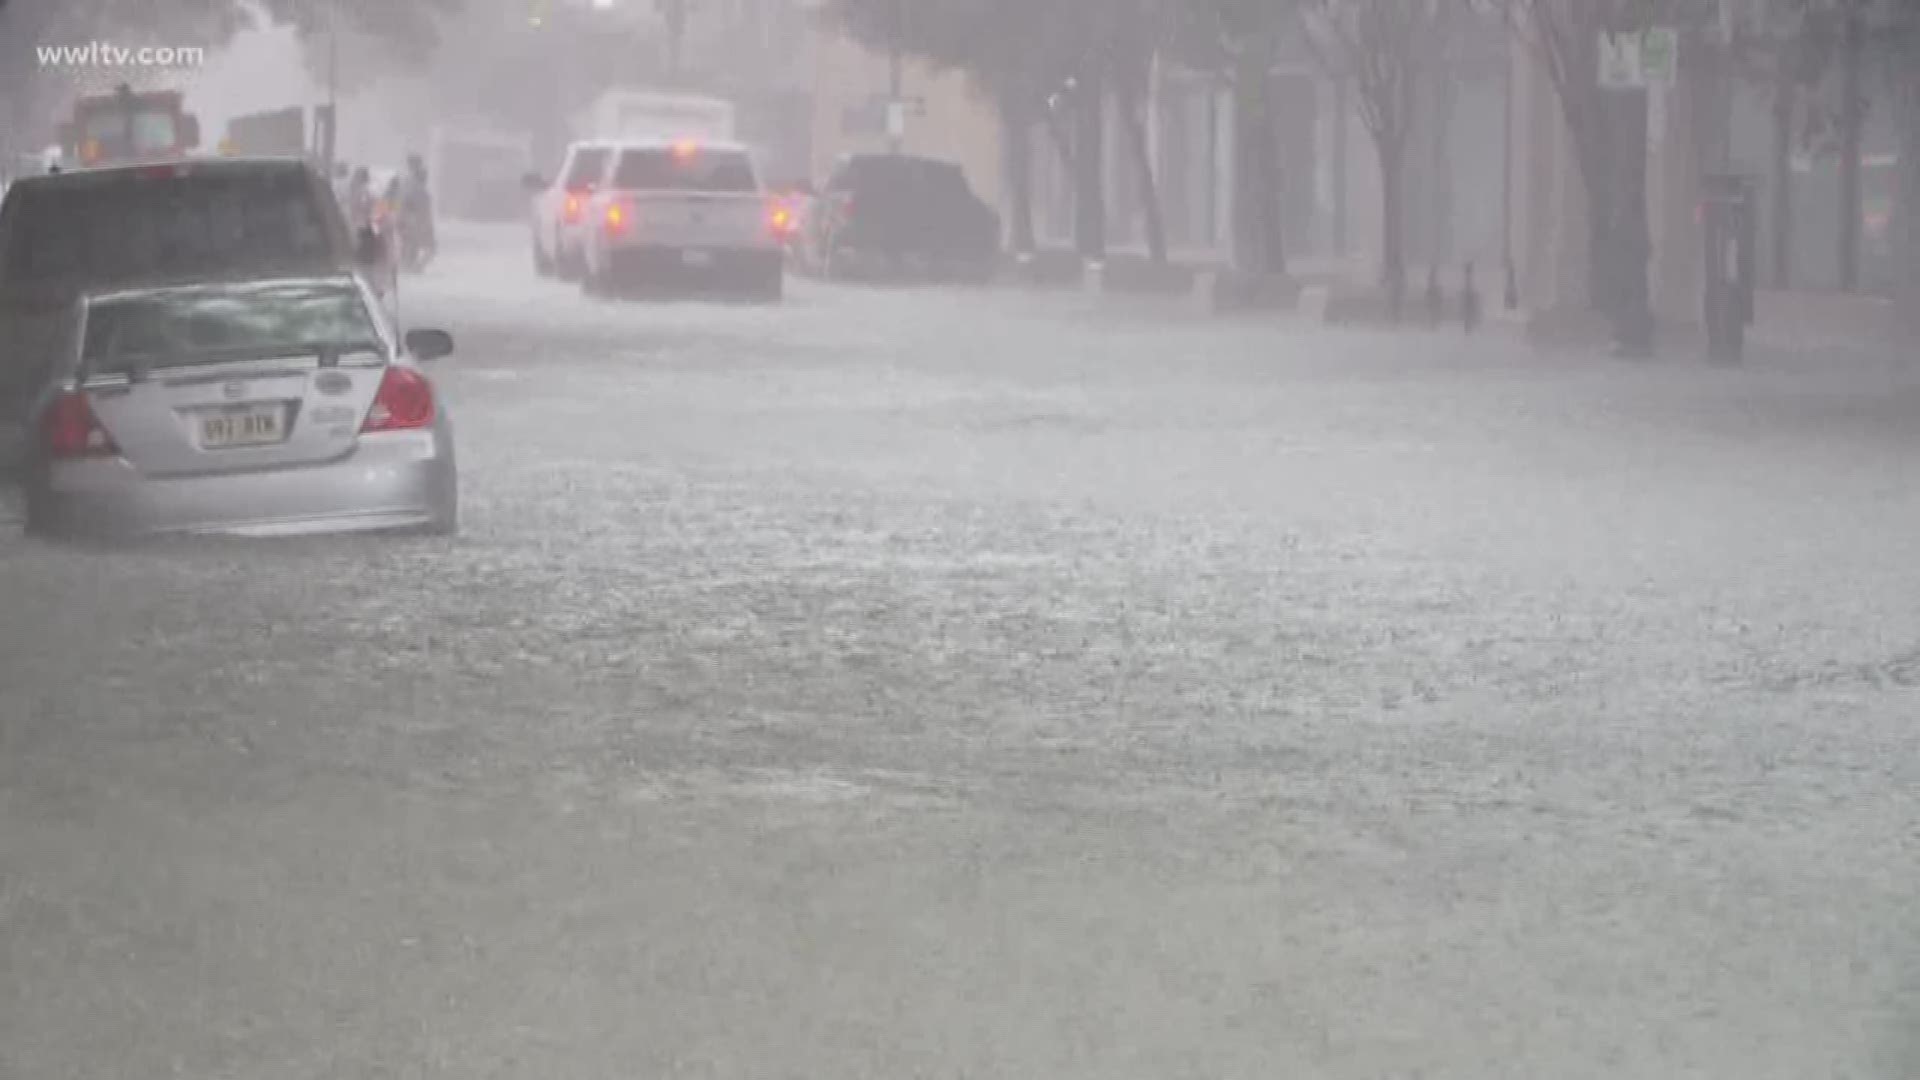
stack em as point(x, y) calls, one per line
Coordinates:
point(572, 211)
point(616, 218)
point(405, 401)
point(68, 429)
point(781, 219)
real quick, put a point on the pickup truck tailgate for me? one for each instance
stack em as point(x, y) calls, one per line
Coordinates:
point(680, 219)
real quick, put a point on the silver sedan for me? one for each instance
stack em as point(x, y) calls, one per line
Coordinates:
point(252, 407)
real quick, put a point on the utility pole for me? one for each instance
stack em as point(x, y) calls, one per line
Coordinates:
point(675, 12)
point(1342, 112)
point(1729, 79)
point(896, 80)
point(329, 146)
point(1852, 105)
point(1512, 291)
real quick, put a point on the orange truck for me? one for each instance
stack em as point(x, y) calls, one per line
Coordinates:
point(126, 125)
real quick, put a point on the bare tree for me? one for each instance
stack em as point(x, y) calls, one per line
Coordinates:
point(1135, 31)
point(1609, 135)
point(1785, 50)
point(1899, 36)
point(1377, 48)
point(1240, 40)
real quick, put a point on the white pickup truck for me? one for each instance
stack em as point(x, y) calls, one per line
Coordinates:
point(677, 214)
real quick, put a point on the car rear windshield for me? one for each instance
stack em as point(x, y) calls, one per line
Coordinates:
point(215, 324)
point(125, 229)
point(921, 177)
point(586, 168)
point(695, 170)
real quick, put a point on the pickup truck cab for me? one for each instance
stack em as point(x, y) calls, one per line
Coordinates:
point(684, 214)
point(559, 208)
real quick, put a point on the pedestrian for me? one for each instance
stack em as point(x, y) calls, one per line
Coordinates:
point(360, 200)
point(1436, 302)
point(1469, 301)
point(416, 215)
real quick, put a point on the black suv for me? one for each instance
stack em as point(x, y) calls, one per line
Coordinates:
point(893, 215)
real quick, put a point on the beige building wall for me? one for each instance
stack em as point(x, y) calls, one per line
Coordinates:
point(957, 126)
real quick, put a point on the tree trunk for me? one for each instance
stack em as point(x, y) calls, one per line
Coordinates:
point(1393, 213)
point(1062, 142)
point(1633, 322)
point(1272, 184)
point(1129, 100)
point(1908, 235)
point(1780, 184)
point(1016, 129)
point(1440, 195)
point(1090, 202)
point(1853, 45)
point(1249, 115)
point(1342, 121)
point(1601, 289)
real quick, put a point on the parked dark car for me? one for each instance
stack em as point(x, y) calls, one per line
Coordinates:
point(895, 216)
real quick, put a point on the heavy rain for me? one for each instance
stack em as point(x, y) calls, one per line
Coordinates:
point(959, 538)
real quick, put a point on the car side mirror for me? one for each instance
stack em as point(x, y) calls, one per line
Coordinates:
point(367, 249)
point(424, 345)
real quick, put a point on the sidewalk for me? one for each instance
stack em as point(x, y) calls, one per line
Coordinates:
point(1792, 330)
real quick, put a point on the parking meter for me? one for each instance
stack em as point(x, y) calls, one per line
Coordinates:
point(1728, 229)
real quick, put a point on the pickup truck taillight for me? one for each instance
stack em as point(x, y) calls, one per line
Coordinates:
point(780, 219)
point(618, 217)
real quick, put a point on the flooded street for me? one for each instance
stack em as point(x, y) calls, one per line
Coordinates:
point(949, 683)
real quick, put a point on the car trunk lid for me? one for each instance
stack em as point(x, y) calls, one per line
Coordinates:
point(238, 416)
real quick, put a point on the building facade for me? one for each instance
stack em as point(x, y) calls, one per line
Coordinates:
point(947, 117)
point(1330, 195)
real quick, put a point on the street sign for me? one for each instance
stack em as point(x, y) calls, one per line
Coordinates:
point(1631, 60)
point(1660, 56)
point(911, 105)
point(1620, 62)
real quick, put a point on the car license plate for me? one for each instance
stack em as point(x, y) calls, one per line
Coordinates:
point(257, 425)
point(697, 258)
